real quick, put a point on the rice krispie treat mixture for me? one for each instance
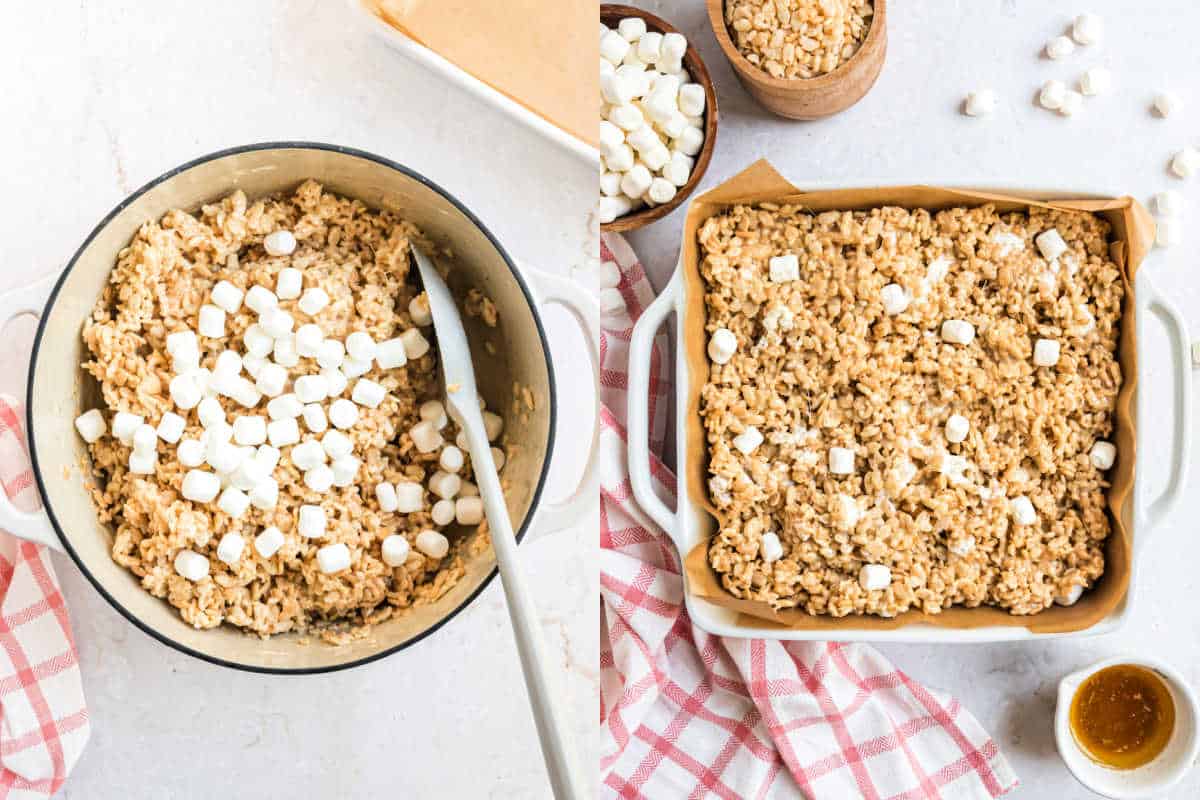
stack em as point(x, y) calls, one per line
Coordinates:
point(909, 410)
point(273, 453)
point(798, 38)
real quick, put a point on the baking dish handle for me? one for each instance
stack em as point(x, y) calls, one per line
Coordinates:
point(1161, 507)
point(33, 526)
point(638, 411)
point(583, 502)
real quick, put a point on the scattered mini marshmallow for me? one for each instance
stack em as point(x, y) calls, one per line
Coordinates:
point(1071, 597)
point(1088, 29)
point(227, 296)
point(632, 28)
point(289, 283)
point(233, 501)
point(212, 321)
point(395, 550)
point(1167, 232)
point(957, 331)
point(493, 425)
point(145, 438)
point(1051, 244)
point(1103, 455)
point(309, 339)
point(468, 510)
point(415, 344)
point(314, 418)
point(425, 436)
point(229, 549)
point(313, 301)
point(335, 378)
point(957, 428)
point(895, 299)
point(748, 440)
point(418, 309)
point(980, 103)
point(91, 425)
point(331, 355)
point(143, 462)
point(279, 243)
point(1185, 162)
point(612, 207)
point(770, 547)
point(180, 340)
point(267, 543)
point(1166, 103)
point(343, 414)
point(271, 380)
point(1168, 203)
point(451, 459)
point(722, 345)
point(410, 497)
point(283, 432)
point(352, 367)
point(360, 345)
point(442, 512)
point(170, 427)
point(445, 484)
point(385, 494)
point(345, 470)
point(311, 522)
point(186, 392)
point(1072, 101)
point(613, 47)
point(268, 456)
point(1046, 352)
point(435, 412)
point(1023, 511)
point(249, 430)
point(277, 323)
point(1094, 81)
point(841, 461)
point(260, 299)
point(319, 478)
point(200, 486)
point(265, 494)
point(661, 190)
point(1059, 47)
point(191, 565)
point(433, 544)
point(257, 341)
point(1052, 94)
point(308, 455)
point(336, 444)
point(390, 354)
point(285, 406)
point(333, 558)
point(782, 269)
point(367, 393)
point(310, 388)
point(190, 452)
point(874, 577)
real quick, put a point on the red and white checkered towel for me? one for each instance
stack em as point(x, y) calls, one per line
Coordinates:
point(689, 715)
point(43, 718)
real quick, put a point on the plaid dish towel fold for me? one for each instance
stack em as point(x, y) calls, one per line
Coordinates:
point(43, 718)
point(688, 714)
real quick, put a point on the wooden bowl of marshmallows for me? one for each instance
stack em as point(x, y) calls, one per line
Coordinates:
point(658, 118)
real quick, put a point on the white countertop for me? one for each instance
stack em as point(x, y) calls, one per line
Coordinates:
point(107, 96)
point(908, 130)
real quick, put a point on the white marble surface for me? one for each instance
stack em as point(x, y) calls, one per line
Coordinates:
point(908, 129)
point(102, 97)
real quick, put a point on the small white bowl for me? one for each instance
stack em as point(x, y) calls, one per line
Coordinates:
point(1149, 780)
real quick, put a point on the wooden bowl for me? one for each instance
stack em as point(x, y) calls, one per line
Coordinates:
point(610, 15)
point(808, 98)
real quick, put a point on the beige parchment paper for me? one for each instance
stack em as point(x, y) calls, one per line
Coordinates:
point(1132, 236)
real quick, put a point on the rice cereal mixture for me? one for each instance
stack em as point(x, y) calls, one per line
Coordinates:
point(360, 259)
point(798, 38)
point(908, 410)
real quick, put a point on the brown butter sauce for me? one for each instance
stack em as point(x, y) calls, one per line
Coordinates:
point(1123, 716)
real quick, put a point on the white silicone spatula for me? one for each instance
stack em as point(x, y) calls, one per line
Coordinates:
point(541, 678)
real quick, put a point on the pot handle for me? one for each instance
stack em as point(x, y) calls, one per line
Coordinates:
point(550, 289)
point(638, 411)
point(33, 526)
point(1160, 508)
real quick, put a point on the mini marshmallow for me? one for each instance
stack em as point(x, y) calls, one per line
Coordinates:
point(679, 169)
point(186, 391)
point(621, 159)
point(279, 243)
point(409, 497)
point(980, 103)
point(691, 99)
point(216, 433)
point(190, 452)
point(390, 354)
point(493, 425)
point(425, 436)
point(721, 346)
point(385, 494)
point(289, 283)
point(271, 380)
point(253, 364)
point(1103, 455)
point(613, 47)
point(841, 461)
point(265, 494)
point(311, 388)
point(170, 427)
point(649, 47)
point(319, 478)
point(333, 558)
point(433, 544)
point(352, 367)
point(260, 299)
point(309, 339)
point(268, 456)
point(307, 455)
point(418, 309)
point(435, 412)
point(311, 522)
point(249, 430)
point(229, 549)
point(690, 141)
point(257, 341)
point(631, 28)
point(360, 345)
point(336, 444)
point(249, 474)
point(1166, 103)
point(395, 550)
point(1046, 352)
point(612, 135)
point(285, 406)
point(1088, 29)
point(1094, 81)
point(415, 344)
point(345, 470)
point(1052, 95)
point(1059, 47)
point(200, 486)
point(227, 296)
point(895, 299)
point(784, 268)
point(620, 119)
point(748, 440)
point(143, 462)
point(212, 321)
point(770, 547)
point(343, 414)
point(661, 191)
point(1023, 511)
point(1051, 243)
point(874, 577)
point(613, 207)
point(957, 331)
point(191, 565)
point(228, 363)
point(636, 181)
point(367, 393)
point(331, 355)
point(442, 512)
point(445, 484)
point(1167, 232)
point(957, 428)
point(276, 323)
point(314, 418)
point(451, 459)
point(336, 380)
point(468, 510)
point(181, 339)
point(91, 425)
point(1072, 101)
point(313, 301)
point(1185, 162)
point(224, 457)
point(283, 432)
point(1168, 203)
point(267, 543)
point(674, 45)
point(145, 438)
point(186, 358)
